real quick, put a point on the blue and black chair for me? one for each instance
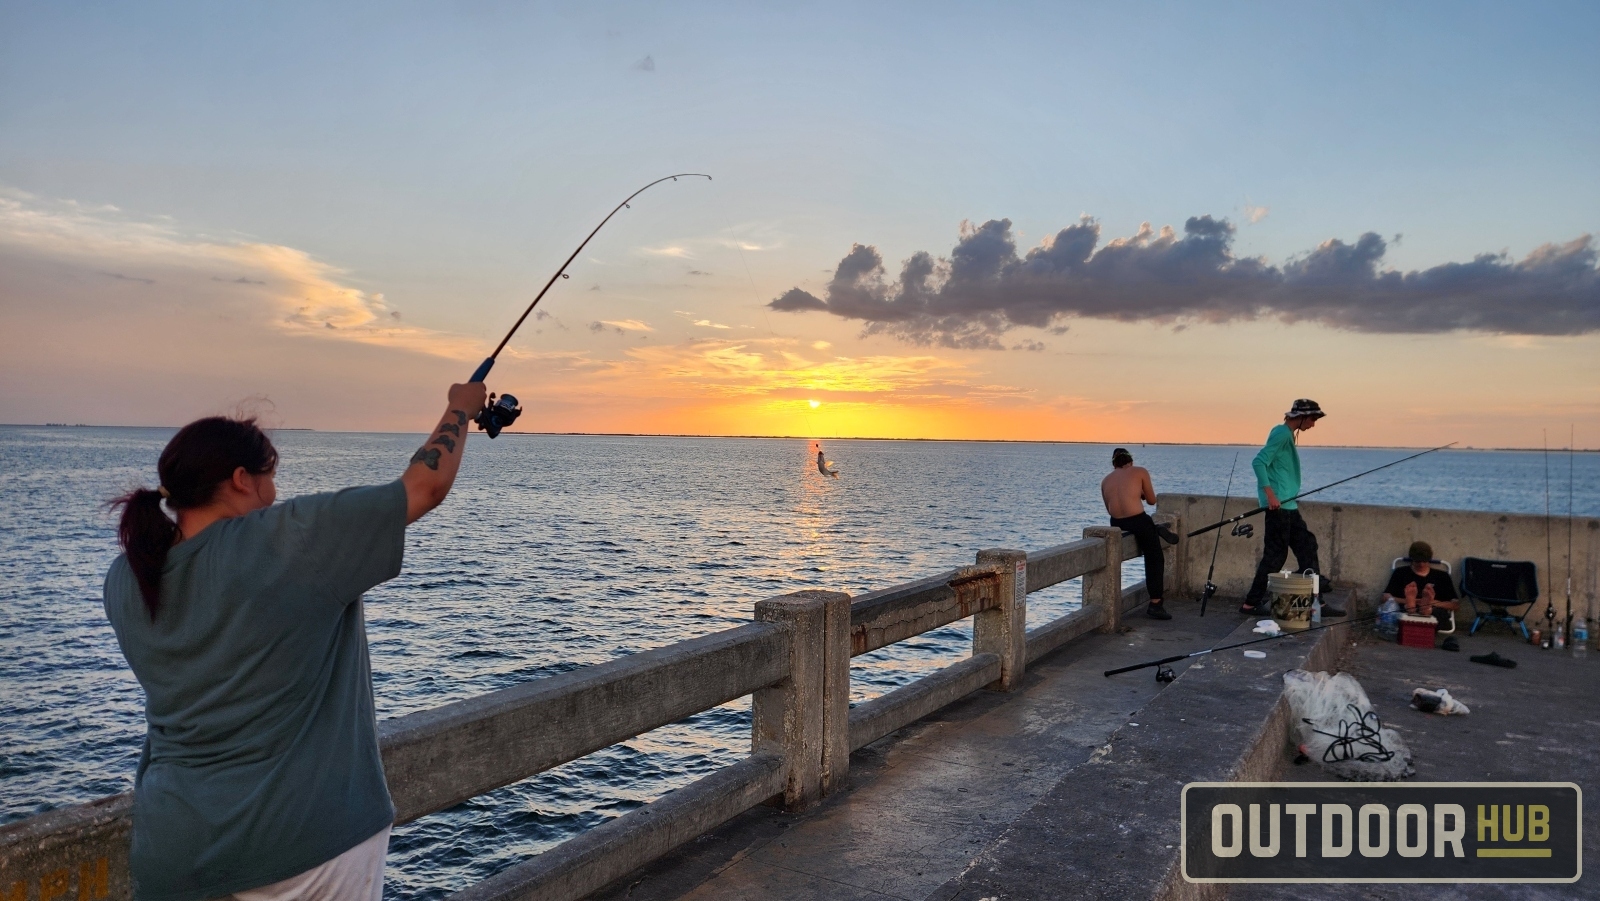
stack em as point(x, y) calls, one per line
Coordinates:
point(1495, 586)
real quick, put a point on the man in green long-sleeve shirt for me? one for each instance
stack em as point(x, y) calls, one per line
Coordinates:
point(1277, 469)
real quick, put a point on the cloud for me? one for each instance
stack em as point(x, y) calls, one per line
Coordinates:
point(127, 278)
point(984, 289)
point(669, 251)
point(709, 324)
point(648, 64)
point(698, 272)
point(1255, 213)
point(627, 325)
point(304, 297)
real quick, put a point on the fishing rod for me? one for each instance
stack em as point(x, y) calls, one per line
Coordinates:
point(498, 415)
point(1211, 587)
point(1571, 443)
point(1249, 513)
point(1549, 639)
point(1228, 647)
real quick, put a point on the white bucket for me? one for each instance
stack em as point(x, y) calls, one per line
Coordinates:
point(1291, 596)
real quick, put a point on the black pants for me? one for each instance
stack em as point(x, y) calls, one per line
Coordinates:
point(1283, 532)
point(1143, 529)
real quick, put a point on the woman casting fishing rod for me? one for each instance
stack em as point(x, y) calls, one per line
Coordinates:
point(260, 776)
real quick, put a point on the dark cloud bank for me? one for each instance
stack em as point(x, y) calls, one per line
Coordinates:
point(985, 289)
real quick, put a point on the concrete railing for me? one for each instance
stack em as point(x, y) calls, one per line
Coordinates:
point(1358, 542)
point(794, 660)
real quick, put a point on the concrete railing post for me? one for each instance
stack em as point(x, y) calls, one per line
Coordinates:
point(787, 716)
point(835, 689)
point(1003, 629)
point(1170, 558)
point(1102, 587)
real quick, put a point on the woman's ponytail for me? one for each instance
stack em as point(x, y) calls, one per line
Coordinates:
point(204, 454)
point(146, 534)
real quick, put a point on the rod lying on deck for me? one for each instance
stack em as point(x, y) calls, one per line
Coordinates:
point(1249, 513)
point(1228, 647)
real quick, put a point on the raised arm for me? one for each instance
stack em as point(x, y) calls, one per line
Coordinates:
point(435, 464)
point(1147, 490)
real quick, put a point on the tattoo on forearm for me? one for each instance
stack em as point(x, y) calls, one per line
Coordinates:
point(461, 417)
point(427, 456)
point(450, 427)
point(448, 442)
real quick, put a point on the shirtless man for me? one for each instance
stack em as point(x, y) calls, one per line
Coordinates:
point(1126, 490)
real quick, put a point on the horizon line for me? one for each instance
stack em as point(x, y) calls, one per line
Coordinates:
point(82, 425)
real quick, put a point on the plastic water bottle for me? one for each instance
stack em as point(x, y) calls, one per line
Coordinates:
point(1580, 638)
point(1388, 623)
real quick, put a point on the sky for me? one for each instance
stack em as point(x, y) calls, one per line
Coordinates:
point(1055, 221)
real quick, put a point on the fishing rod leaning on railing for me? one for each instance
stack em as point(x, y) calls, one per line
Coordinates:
point(1249, 513)
point(1210, 590)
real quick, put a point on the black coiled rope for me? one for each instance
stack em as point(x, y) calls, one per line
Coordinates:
point(1364, 731)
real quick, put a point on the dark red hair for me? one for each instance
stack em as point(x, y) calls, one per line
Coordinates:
point(204, 454)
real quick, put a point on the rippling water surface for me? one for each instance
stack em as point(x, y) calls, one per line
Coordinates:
point(555, 552)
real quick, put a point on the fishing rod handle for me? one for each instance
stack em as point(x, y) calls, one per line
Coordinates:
point(482, 371)
point(1147, 665)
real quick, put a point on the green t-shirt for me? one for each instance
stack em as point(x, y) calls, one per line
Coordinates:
point(1278, 465)
point(260, 758)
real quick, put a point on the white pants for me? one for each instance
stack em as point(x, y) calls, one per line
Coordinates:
point(355, 875)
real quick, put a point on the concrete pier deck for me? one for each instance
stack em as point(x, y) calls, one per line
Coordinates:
point(1068, 787)
point(922, 804)
point(1539, 722)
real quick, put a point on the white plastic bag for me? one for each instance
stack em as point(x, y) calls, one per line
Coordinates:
point(1337, 727)
point(1438, 702)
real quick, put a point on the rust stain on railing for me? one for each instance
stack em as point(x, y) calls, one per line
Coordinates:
point(971, 590)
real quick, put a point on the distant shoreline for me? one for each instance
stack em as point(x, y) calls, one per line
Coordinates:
point(1533, 450)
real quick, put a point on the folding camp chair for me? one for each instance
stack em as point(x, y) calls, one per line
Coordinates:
point(1406, 561)
point(1495, 586)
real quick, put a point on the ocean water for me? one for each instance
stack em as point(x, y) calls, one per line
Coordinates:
point(558, 551)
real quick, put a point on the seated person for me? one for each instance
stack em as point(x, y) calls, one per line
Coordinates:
point(1421, 589)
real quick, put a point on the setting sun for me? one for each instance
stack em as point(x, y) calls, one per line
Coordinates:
point(814, 403)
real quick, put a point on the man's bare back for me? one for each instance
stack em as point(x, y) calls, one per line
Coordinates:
point(1126, 490)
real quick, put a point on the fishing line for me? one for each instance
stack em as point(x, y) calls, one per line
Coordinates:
point(498, 415)
point(1249, 513)
point(1211, 588)
point(1174, 659)
point(730, 214)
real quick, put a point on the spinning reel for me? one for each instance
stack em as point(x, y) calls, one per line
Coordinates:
point(1243, 530)
point(498, 414)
